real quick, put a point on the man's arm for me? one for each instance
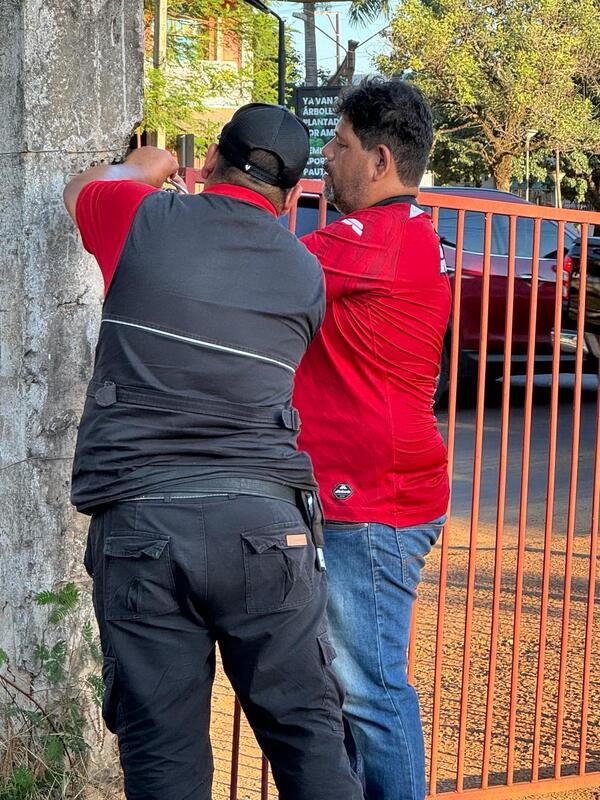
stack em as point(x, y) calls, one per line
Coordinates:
point(148, 165)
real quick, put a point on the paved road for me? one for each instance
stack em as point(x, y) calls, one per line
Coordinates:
point(538, 473)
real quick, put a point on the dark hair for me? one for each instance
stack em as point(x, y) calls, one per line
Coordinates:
point(394, 113)
point(261, 158)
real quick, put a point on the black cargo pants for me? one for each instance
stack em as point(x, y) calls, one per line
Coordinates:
point(171, 578)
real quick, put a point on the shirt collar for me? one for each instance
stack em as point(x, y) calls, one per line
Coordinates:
point(244, 194)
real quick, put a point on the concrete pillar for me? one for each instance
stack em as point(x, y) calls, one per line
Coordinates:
point(71, 77)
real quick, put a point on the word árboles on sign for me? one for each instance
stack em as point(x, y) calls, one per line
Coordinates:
point(315, 107)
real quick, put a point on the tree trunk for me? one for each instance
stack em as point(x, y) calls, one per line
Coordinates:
point(71, 81)
point(502, 172)
point(310, 44)
point(593, 196)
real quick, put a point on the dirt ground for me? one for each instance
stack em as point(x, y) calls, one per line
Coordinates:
point(249, 780)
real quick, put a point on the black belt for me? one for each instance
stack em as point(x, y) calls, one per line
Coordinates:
point(308, 501)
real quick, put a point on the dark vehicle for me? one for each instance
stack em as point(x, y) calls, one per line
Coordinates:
point(591, 339)
point(472, 273)
point(592, 301)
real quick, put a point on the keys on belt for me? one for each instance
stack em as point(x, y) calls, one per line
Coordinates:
point(315, 513)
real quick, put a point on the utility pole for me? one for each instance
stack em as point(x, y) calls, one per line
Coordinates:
point(528, 137)
point(159, 56)
point(336, 30)
point(61, 111)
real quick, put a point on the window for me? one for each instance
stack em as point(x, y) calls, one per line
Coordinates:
point(474, 233)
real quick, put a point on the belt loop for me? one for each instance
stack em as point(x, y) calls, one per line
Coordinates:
point(291, 418)
point(106, 395)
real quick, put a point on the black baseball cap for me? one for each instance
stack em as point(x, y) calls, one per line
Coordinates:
point(261, 126)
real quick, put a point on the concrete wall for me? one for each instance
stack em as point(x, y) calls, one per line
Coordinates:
point(71, 77)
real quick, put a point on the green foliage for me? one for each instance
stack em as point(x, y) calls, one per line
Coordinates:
point(92, 643)
point(496, 69)
point(364, 11)
point(64, 600)
point(22, 785)
point(178, 96)
point(47, 721)
point(52, 660)
point(96, 684)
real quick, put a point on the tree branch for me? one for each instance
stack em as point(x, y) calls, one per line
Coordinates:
point(7, 682)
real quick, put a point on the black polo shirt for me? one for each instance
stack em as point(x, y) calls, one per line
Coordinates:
point(210, 305)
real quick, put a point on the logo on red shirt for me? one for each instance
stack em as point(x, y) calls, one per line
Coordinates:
point(342, 491)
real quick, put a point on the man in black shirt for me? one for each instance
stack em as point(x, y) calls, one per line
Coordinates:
point(205, 519)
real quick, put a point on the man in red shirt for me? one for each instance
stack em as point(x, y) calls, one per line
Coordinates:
point(365, 395)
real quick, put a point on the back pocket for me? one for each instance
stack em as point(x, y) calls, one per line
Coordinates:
point(278, 564)
point(138, 576)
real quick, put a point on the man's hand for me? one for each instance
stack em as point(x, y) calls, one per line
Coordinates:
point(146, 165)
point(150, 165)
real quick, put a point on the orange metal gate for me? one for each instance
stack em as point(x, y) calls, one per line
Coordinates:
point(504, 642)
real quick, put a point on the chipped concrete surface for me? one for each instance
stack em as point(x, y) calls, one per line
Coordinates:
point(71, 87)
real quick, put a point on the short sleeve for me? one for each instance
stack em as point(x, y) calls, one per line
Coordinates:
point(104, 212)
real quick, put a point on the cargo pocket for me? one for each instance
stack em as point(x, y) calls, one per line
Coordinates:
point(110, 701)
point(139, 579)
point(333, 695)
point(278, 564)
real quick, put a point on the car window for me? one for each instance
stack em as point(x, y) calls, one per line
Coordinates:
point(475, 229)
point(473, 232)
point(446, 226)
point(548, 238)
point(307, 219)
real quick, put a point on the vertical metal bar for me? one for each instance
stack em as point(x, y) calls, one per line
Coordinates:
point(235, 750)
point(412, 643)
point(293, 217)
point(485, 301)
point(502, 469)
point(281, 59)
point(523, 503)
point(322, 211)
point(441, 613)
point(189, 176)
point(264, 779)
point(159, 53)
point(564, 643)
point(550, 485)
point(589, 622)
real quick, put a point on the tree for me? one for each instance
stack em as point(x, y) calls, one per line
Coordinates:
point(176, 98)
point(310, 45)
point(364, 11)
point(494, 69)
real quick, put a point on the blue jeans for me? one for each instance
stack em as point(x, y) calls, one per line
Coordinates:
point(373, 572)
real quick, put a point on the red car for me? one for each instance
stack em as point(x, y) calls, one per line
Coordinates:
point(472, 271)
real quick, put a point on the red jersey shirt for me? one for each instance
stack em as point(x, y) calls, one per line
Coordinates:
point(365, 386)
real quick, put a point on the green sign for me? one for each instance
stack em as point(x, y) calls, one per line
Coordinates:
point(315, 106)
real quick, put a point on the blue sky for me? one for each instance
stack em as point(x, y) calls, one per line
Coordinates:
point(326, 47)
